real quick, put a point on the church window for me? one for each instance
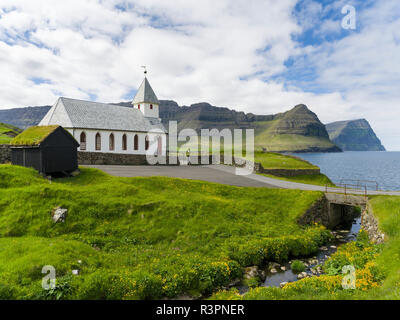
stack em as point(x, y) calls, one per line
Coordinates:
point(124, 142)
point(136, 142)
point(151, 107)
point(147, 143)
point(83, 141)
point(98, 141)
point(112, 142)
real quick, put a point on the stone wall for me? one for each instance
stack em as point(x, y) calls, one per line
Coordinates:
point(110, 158)
point(370, 225)
point(5, 153)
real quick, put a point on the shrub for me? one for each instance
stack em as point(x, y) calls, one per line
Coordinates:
point(298, 266)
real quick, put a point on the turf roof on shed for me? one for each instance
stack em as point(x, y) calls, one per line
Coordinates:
point(33, 136)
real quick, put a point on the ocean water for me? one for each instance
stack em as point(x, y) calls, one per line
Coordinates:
point(381, 167)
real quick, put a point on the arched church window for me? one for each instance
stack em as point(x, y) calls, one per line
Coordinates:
point(136, 142)
point(151, 107)
point(112, 142)
point(98, 141)
point(159, 145)
point(83, 141)
point(146, 143)
point(124, 142)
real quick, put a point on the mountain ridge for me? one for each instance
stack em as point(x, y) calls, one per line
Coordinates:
point(296, 130)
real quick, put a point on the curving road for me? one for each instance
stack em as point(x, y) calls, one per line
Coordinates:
point(224, 175)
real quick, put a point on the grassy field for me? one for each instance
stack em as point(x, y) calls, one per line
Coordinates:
point(7, 132)
point(377, 266)
point(314, 179)
point(279, 161)
point(142, 238)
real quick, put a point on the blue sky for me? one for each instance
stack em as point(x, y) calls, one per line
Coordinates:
point(260, 56)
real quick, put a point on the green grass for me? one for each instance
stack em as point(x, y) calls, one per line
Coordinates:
point(298, 266)
point(314, 179)
point(7, 132)
point(279, 161)
point(142, 238)
point(33, 135)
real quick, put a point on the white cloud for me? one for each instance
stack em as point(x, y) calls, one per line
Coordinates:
point(223, 52)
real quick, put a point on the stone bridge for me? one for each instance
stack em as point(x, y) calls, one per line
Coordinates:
point(334, 209)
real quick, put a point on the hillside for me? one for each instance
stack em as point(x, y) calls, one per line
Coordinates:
point(144, 238)
point(8, 132)
point(298, 130)
point(354, 135)
point(24, 117)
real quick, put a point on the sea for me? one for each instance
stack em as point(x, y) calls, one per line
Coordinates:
point(368, 168)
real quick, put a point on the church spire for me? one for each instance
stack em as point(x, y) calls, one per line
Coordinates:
point(145, 99)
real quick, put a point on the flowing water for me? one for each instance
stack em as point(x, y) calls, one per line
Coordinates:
point(343, 234)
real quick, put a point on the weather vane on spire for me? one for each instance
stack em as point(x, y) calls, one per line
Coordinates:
point(145, 70)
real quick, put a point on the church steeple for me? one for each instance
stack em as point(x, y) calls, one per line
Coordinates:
point(146, 100)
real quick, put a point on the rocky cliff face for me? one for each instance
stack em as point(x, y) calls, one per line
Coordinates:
point(354, 135)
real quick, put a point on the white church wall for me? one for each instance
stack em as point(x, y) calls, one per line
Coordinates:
point(105, 140)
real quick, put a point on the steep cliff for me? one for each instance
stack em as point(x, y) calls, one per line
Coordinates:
point(354, 135)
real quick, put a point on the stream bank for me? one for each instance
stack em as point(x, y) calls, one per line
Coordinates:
point(277, 275)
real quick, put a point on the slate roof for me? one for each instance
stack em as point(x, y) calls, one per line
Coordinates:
point(145, 94)
point(72, 113)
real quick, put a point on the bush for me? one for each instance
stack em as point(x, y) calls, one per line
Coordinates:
point(298, 266)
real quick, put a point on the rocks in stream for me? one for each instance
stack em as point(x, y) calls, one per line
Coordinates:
point(302, 275)
point(274, 267)
point(282, 284)
point(251, 272)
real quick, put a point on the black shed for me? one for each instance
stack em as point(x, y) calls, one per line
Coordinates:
point(48, 149)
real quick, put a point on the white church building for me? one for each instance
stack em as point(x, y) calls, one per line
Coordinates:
point(107, 128)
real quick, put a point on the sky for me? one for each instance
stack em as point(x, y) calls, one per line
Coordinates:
point(259, 56)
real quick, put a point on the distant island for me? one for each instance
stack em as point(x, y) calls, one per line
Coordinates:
point(297, 130)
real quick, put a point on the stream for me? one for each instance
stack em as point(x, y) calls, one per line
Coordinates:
point(342, 236)
point(279, 274)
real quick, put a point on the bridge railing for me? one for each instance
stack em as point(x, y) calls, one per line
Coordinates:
point(360, 183)
point(348, 188)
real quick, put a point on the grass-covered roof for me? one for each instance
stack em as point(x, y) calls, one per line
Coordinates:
point(33, 136)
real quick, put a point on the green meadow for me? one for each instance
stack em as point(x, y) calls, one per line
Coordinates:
point(142, 238)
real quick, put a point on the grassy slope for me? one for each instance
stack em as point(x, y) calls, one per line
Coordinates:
point(377, 266)
point(314, 179)
point(265, 137)
point(142, 237)
point(387, 211)
point(279, 161)
point(7, 132)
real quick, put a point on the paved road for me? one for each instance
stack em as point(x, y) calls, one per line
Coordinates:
point(221, 174)
point(205, 173)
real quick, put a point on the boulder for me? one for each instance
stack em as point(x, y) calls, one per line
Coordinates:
point(59, 214)
point(251, 272)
